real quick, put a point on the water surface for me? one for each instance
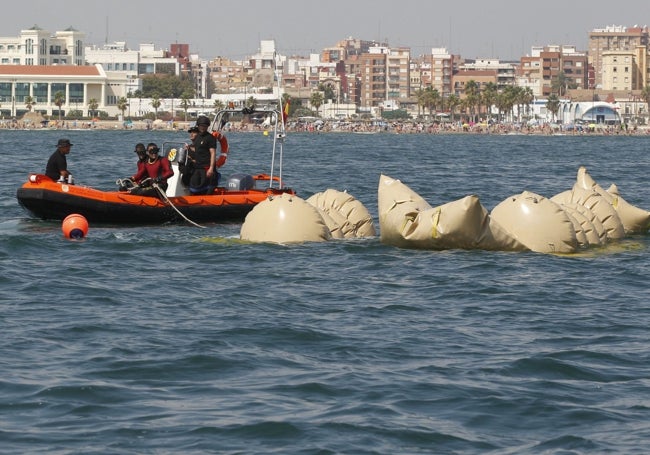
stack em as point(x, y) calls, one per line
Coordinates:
point(174, 339)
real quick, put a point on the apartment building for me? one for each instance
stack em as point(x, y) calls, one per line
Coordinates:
point(619, 38)
point(481, 77)
point(442, 71)
point(620, 70)
point(546, 64)
point(505, 72)
point(385, 76)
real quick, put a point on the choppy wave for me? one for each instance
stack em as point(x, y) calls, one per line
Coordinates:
point(174, 339)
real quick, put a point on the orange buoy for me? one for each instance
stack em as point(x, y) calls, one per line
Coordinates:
point(75, 226)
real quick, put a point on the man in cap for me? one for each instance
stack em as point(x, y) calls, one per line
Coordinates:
point(205, 153)
point(57, 165)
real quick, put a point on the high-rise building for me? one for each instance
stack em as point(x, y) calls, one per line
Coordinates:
point(616, 38)
point(385, 74)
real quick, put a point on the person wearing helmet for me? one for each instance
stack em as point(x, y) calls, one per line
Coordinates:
point(205, 153)
point(140, 149)
point(155, 168)
point(142, 155)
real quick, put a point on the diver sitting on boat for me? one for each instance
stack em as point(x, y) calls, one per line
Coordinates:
point(126, 184)
point(153, 174)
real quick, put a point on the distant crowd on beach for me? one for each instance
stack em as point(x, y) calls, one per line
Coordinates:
point(320, 126)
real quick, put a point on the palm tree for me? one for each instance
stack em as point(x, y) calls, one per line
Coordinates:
point(419, 96)
point(489, 97)
point(506, 101)
point(527, 97)
point(472, 93)
point(93, 104)
point(185, 103)
point(59, 100)
point(431, 100)
point(155, 103)
point(452, 102)
point(559, 84)
point(316, 100)
point(122, 104)
point(328, 91)
point(250, 102)
point(29, 103)
point(553, 104)
point(218, 105)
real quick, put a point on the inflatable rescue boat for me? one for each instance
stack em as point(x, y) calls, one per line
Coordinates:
point(230, 200)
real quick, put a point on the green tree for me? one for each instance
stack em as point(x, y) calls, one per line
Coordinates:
point(489, 97)
point(429, 98)
point(166, 86)
point(29, 103)
point(122, 104)
point(553, 104)
point(452, 103)
point(218, 105)
point(419, 96)
point(328, 91)
point(316, 100)
point(472, 97)
point(155, 103)
point(59, 100)
point(561, 83)
point(525, 98)
point(398, 114)
point(505, 102)
point(185, 102)
point(93, 104)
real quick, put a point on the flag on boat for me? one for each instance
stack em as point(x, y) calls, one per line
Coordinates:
point(285, 111)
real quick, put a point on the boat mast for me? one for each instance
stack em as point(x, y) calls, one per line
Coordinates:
point(280, 128)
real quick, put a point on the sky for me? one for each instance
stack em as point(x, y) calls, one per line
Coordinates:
point(472, 28)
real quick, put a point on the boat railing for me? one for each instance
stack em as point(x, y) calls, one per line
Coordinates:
point(267, 119)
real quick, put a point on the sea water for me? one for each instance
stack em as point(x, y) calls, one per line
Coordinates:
point(178, 339)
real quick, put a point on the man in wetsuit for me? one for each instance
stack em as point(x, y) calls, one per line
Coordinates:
point(155, 168)
point(140, 149)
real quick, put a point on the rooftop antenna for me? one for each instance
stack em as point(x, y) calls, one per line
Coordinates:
point(106, 37)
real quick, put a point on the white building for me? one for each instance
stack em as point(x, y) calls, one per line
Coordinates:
point(78, 84)
point(134, 63)
point(36, 46)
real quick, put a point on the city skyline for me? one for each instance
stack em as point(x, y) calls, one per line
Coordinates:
point(474, 30)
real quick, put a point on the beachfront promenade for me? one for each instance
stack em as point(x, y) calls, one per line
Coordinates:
point(346, 127)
